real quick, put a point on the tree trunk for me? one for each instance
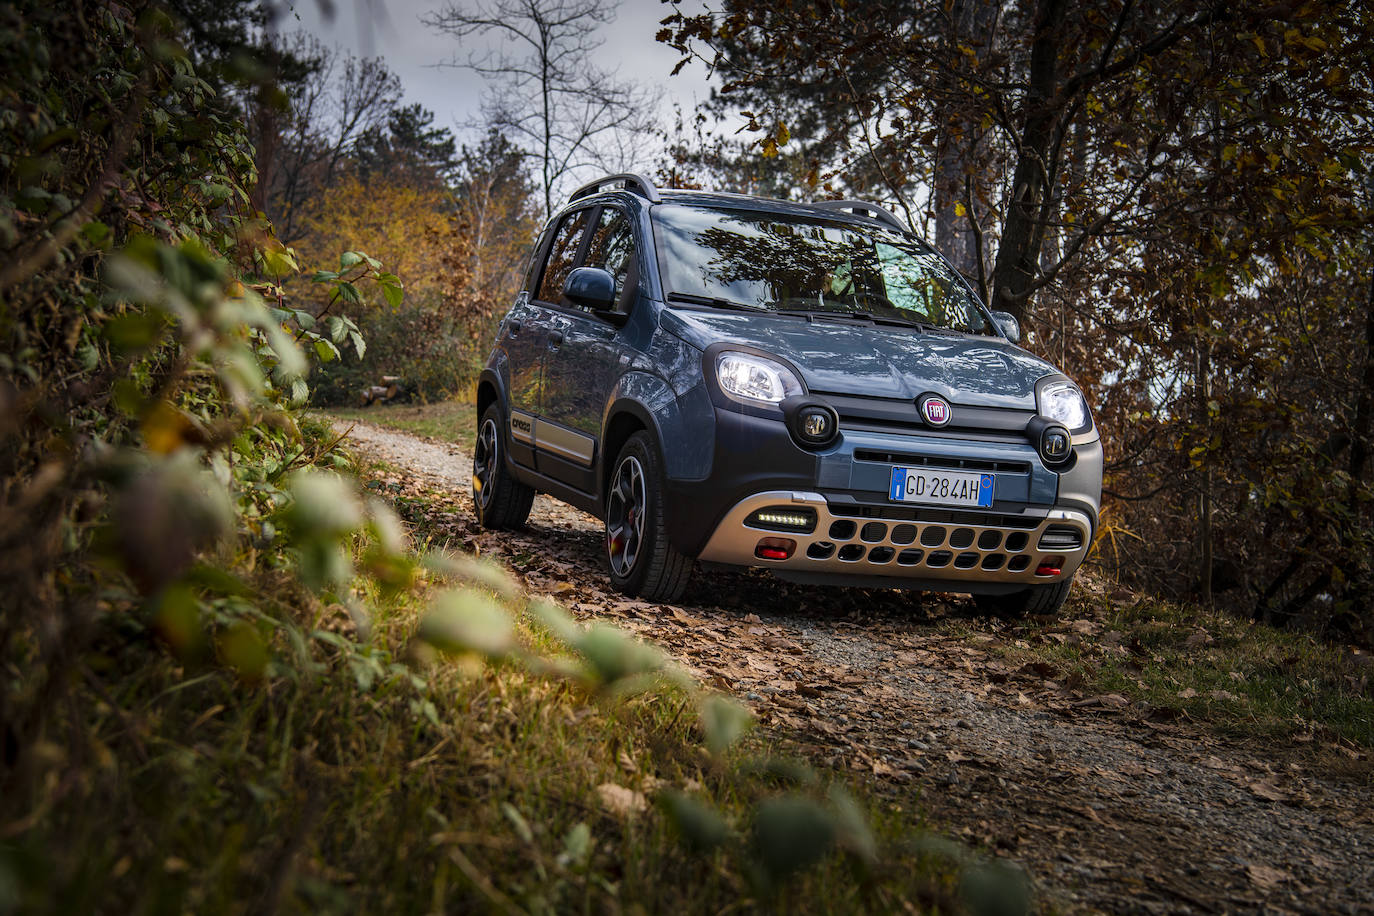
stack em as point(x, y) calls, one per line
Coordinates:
point(972, 21)
point(266, 132)
point(1355, 563)
point(1204, 496)
point(1018, 255)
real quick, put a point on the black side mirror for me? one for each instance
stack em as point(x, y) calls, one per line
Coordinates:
point(1008, 325)
point(590, 287)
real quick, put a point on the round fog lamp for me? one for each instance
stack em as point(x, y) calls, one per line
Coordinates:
point(1056, 446)
point(816, 425)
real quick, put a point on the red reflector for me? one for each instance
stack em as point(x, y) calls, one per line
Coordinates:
point(1045, 569)
point(775, 548)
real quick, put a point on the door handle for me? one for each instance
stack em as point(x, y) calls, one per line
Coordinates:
point(555, 339)
point(514, 325)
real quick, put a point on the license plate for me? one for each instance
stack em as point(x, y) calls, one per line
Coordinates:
point(941, 488)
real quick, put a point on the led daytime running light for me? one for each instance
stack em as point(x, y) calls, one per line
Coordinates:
point(777, 518)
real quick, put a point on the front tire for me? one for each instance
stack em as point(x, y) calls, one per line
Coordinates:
point(1038, 600)
point(641, 560)
point(499, 500)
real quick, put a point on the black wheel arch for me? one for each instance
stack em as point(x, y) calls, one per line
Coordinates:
point(489, 391)
point(625, 418)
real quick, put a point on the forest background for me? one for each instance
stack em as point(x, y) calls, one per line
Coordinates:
point(1173, 199)
point(209, 225)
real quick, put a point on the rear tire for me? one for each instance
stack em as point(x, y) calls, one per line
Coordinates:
point(1038, 600)
point(499, 500)
point(641, 561)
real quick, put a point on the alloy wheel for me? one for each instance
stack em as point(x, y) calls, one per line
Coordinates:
point(485, 463)
point(625, 510)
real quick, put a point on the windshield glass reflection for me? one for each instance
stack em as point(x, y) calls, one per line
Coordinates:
point(768, 261)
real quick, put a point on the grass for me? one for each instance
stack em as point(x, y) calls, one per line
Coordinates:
point(449, 421)
point(1238, 678)
point(359, 771)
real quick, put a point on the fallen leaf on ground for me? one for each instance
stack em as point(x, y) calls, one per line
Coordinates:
point(686, 619)
point(1267, 790)
point(1039, 669)
point(1106, 701)
point(881, 769)
point(1166, 714)
point(1198, 638)
point(621, 801)
point(1265, 877)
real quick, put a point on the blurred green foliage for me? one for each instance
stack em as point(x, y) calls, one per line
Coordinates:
point(226, 681)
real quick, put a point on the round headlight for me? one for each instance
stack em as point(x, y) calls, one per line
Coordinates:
point(1063, 401)
point(757, 379)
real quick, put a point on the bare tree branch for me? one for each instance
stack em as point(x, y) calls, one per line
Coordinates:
point(545, 87)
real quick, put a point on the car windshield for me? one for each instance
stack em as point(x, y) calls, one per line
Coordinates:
point(785, 264)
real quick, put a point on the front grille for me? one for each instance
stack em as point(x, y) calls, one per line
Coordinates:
point(980, 434)
point(941, 547)
point(821, 550)
point(941, 461)
point(855, 539)
point(873, 532)
point(934, 516)
point(862, 412)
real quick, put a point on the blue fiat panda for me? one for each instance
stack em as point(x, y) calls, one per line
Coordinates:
point(805, 388)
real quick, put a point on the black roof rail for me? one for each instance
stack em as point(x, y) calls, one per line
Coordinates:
point(630, 181)
point(864, 207)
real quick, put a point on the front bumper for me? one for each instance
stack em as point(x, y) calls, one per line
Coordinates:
point(904, 546)
point(756, 464)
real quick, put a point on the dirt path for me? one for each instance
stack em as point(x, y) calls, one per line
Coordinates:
point(1107, 809)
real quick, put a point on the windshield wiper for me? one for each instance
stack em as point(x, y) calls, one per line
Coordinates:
point(714, 302)
point(864, 316)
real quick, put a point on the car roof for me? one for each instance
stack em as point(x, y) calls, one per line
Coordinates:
point(768, 205)
point(634, 186)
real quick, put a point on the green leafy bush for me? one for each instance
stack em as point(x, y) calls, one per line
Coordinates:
point(436, 355)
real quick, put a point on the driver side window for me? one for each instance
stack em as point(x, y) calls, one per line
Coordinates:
point(562, 256)
point(613, 249)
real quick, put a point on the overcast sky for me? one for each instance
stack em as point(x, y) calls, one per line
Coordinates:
point(414, 52)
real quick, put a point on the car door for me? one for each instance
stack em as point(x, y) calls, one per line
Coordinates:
point(582, 360)
point(527, 329)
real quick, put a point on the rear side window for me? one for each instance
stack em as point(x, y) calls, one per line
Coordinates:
point(562, 256)
point(533, 262)
point(613, 248)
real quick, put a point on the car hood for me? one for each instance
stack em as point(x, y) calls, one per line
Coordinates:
point(841, 357)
